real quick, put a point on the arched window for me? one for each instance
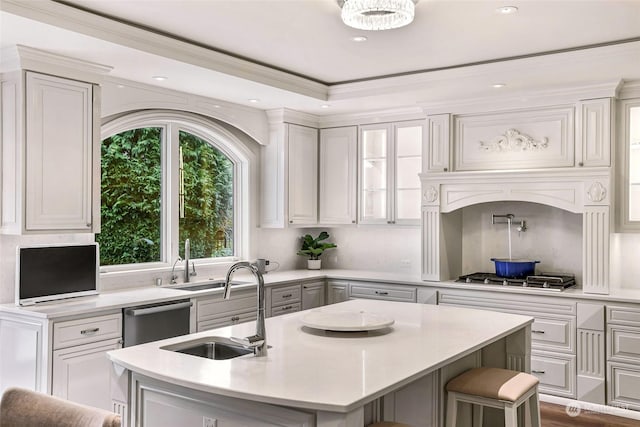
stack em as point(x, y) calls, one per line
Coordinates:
point(168, 177)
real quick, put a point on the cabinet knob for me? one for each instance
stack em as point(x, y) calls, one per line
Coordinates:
point(581, 164)
point(353, 221)
point(446, 169)
point(290, 221)
point(88, 225)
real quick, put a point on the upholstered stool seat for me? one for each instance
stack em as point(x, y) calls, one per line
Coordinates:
point(496, 388)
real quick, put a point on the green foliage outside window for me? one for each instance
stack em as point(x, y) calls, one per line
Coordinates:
point(132, 198)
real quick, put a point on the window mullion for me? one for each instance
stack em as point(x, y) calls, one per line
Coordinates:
point(170, 202)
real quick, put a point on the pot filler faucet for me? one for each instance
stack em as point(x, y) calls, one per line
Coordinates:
point(257, 342)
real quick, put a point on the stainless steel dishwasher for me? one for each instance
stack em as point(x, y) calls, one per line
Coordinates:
point(152, 322)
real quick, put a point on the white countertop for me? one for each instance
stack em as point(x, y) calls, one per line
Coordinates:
point(329, 371)
point(115, 300)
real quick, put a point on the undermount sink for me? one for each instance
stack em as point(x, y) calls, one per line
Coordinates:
point(215, 348)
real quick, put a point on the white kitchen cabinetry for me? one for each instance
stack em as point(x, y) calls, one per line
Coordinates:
point(553, 334)
point(593, 141)
point(623, 356)
point(50, 155)
point(65, 358)
point(382, 291)
point(628, 165)
point(313, 295)
point(337, 291)
point(338, 173)
point(303, 174)
point(81, 370)
point(283, 299)
point(215, 312)
point(437, 158)
point(390, 161)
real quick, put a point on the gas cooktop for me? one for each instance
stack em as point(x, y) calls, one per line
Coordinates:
point(545, 281)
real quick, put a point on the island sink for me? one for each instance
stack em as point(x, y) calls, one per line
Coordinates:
point(215, 348)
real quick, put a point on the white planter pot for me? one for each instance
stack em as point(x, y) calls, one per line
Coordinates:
point(314, 264)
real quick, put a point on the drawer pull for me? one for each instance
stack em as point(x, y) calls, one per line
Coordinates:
point(533, 331)
point(287, 307)
point(235, 318)
point(382, 293)
point(287, 295)
point(89, 331)
point(533, 371)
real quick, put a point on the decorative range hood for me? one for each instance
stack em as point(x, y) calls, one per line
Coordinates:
point(558, 156)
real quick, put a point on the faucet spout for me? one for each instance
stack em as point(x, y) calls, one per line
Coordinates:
point(257, 342)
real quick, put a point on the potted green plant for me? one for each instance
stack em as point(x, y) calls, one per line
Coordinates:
point(313, 248)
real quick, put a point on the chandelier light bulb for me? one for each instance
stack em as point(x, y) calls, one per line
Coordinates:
point(374, 15)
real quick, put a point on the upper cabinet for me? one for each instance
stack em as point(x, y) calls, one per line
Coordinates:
point(303, 174)
point(337, 198)
point(389, 165)
point(629, 166)
point(50, 155)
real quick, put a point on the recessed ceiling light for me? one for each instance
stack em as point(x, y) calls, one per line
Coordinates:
point(498, 85)
point(253, 100)
point(507, 10)
point(120, 86)
point(359, 39)
point(216, 106)
point(325, 106)
point(160, 78)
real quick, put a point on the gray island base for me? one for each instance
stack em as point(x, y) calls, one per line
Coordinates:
point(313, 377)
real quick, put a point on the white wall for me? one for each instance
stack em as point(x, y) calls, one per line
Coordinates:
point(390, 249)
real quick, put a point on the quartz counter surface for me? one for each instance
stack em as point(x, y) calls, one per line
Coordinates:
point(115, 300)
point(328, 371)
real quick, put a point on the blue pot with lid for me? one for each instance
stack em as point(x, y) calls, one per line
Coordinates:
point(514, 268)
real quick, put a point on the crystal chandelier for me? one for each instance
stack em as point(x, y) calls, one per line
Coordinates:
point(377, 14)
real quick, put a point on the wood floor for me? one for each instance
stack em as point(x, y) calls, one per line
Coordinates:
point(556, 416)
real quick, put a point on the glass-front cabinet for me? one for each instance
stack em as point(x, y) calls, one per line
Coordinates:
point(390, 161)
point(629, 170)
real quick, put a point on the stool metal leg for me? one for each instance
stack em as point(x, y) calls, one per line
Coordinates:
point(452, 409)
point(510, 416)
point(478, 412)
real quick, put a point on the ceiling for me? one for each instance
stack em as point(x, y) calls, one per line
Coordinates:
point(298, 54)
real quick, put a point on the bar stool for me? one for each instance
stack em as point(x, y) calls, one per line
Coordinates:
point(495, 388)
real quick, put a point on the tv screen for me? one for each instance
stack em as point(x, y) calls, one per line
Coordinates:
point(53, 272)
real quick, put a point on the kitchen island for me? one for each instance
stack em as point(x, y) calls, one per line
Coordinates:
point(313, 377)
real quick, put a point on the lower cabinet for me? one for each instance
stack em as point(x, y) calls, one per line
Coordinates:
point(382, 291)
point(337, 291)
point(216, 312)
point(553, 333)
point(66, 358)
point(291, 298)
point(164, 405)
point(623, 356)
point(313, 295)
point(82, 373)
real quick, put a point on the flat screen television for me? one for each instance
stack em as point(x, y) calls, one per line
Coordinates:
point(45, 273)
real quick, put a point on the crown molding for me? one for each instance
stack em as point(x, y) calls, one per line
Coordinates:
point(630, 89)
point(371, 117)
point(28, 58)
point(527, 99)
point(86, 23)
point(286, 115)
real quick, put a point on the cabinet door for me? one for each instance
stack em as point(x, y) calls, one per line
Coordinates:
point(338, 151)
point(594, 133)
point(337, 292)
point(407, 147)
point(436, 156)
point(312, 295)
point(59, 142)
point(82, 373)
point(303, 175)
point(375, 174)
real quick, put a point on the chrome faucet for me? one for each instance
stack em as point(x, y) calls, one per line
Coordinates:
point(173, 275)
point(257, 342)
point(187, 255)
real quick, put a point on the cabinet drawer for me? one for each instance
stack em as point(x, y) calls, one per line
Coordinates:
point(553, 334)
point(391, 293)
point(227, 320)
point(284, 309)
point(285, 295)
point(84, 331)
point(624, 386)
point(557, 374)
point(213, 307)
point(623, 316)
point(624, 344)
